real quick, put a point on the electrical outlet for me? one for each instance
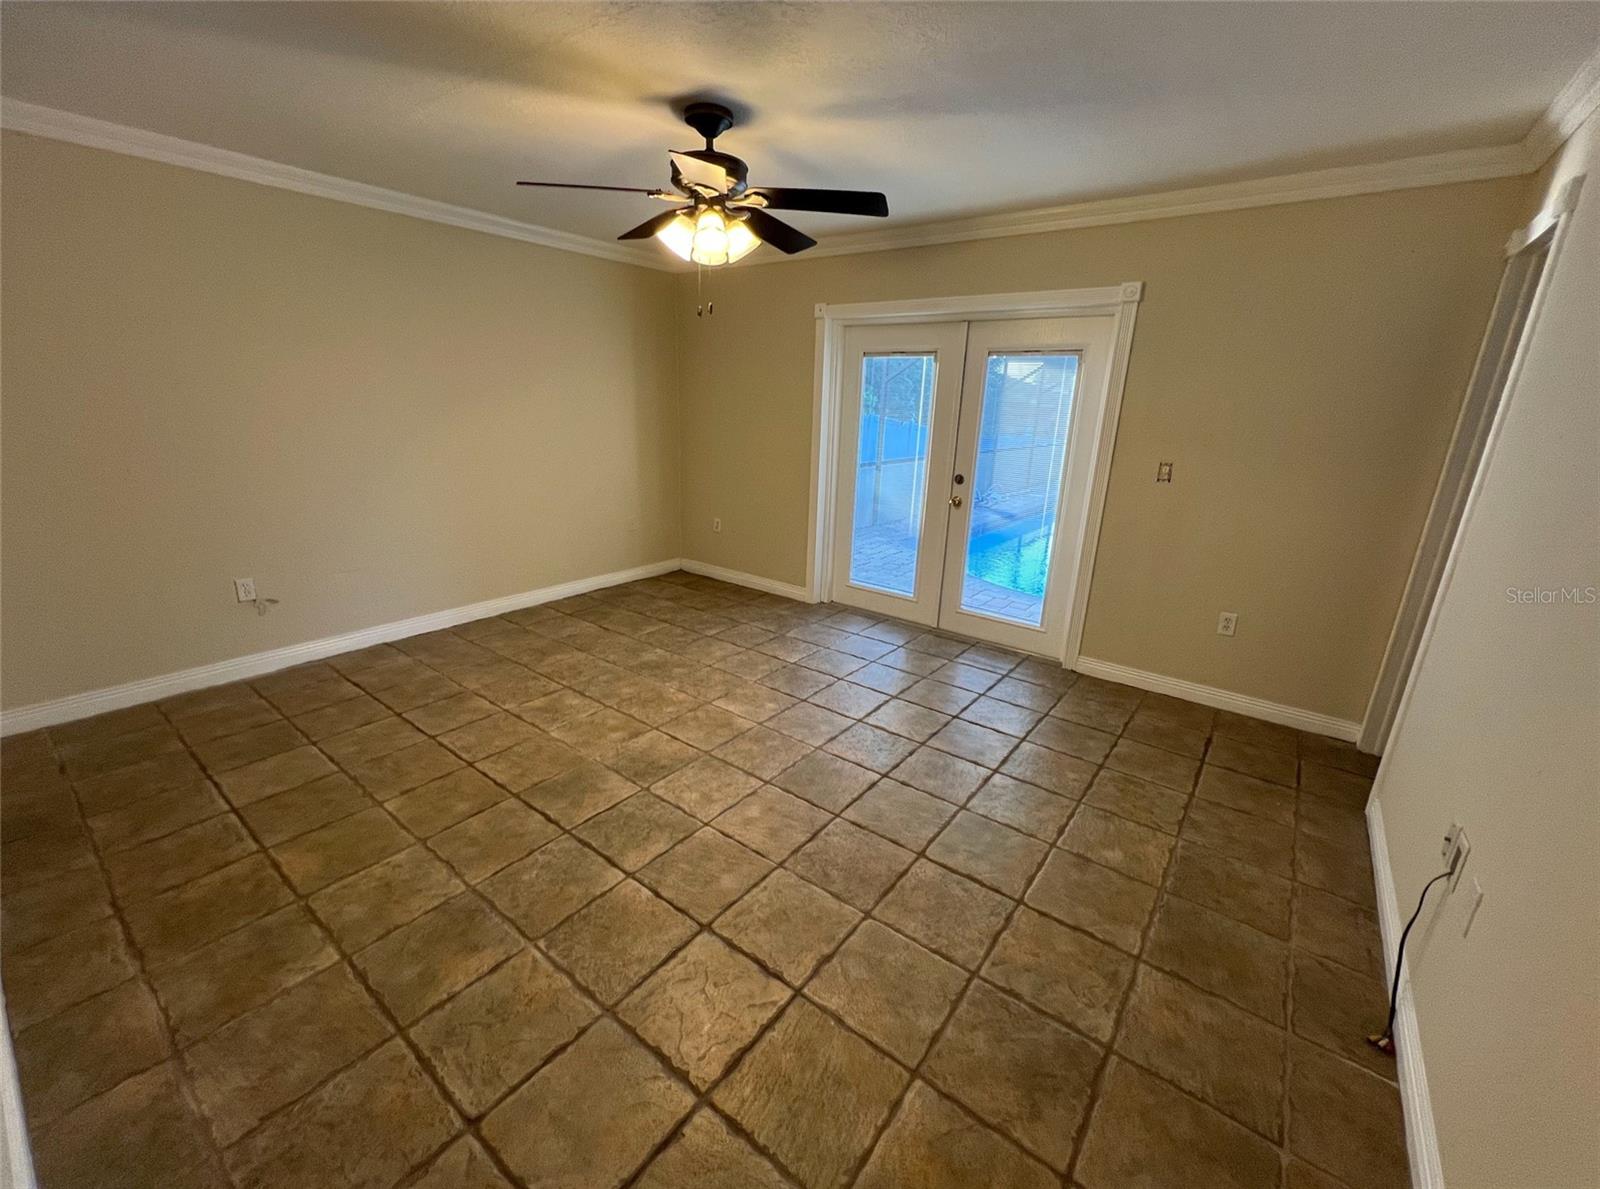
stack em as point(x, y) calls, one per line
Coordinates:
point(716, 524)
point(244, 589)
point(1163, 472)
point(1227, 622)
point(1455, 851)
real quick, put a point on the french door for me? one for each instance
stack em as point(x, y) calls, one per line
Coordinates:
point(966, 466)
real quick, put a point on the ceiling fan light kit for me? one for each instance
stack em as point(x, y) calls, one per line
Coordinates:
point(726, 219)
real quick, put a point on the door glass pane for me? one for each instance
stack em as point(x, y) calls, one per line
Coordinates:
point(1022, 445)
point(891, 471)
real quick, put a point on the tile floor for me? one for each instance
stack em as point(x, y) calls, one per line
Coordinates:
point(677, 884)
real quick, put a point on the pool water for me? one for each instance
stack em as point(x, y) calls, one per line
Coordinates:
point(1016, 563)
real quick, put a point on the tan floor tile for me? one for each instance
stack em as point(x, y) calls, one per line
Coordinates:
point(884, 678)
point(49, 909)
point(1120, 844)
point(706, 787)
point(901, 813)
point(808, 723)
point(1333, 928)
point(389, 775)
point(1000, 715)
point(114, 789)
point(635, 831)
point(363, 907)
point(315, 860)
point(908, 719)
point(1345, 1119)
point(850, 699)
point(761, 752)
point(463, 1165)
point(88, 1049)
point(617, 939)
point(933, 1144)
point(442, 803)
point(853, 864)
point(871, 747)
point(1345, 871)
point(1338, 1009)
point(1240, 836)
point(521, 767)
point(1022, 807)
point(221, 721)
point(286, 815)
point(889, 989)
point(141, 1135)
point(946, 912)
point(28, 862)
point(368, 742)
point(590, 1117)
point(498, 1030)
point(1060, 971)
point(1214, 1050)
point(485, 737)
point(420, 964)
point(771, 822)
point(827, 781)
point(1146, 1133)
point(945, 776)
point(1053, 771)
point(1016, 1070)
point(1255, 732)
point(988, 852)
point(95, 757)
point(1260, 798)
point(542, 890)
point(597, 733)
point(1234, 961)
point(1073, 739)
point(651, 756)
point(1093, 898)
point(703, 1007)
point(240, 971)
point(67, 969)
point(177, 858)
point(341, 717)
point(1160, 732)
point(272, 1055)
point(579, 793)
point(708, 727)
point(1238, 890)
point(1023, 693)
point(812, 1094)
point(1137, 800)
point(234, 751)
point(1165, 768)
point(707, 1154)
point(788, 924)
point(1332, 822)
point(155, 816)
point(704, 873)
point(367, 1126)
point(495, 838)
point(449, 714)
point(972, 742)
point(1336, 753)
point(184, 919)
point(1261, 762)
point(275, 774)
point(1079, 707)
point(553, 709)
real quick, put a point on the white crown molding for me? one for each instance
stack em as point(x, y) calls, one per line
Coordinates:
point(18, 116)
point(1221, 699)
point(1422, 1136)
point(167, 685)
point(1573, 104)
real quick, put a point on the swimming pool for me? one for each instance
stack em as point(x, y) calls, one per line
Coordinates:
point(1016, 562)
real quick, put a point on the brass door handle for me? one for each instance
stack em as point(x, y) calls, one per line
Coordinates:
point(955, 501)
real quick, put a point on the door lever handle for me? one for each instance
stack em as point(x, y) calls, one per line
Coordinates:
point(955, 501)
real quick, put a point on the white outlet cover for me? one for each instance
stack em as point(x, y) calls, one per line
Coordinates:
point(244, 589)
point(1227, 623)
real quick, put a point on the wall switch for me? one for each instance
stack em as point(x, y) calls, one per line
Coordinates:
point(1456, 849)
point(244, 589)
point(716, 524)
point(1163, 472)
point(1227, 622)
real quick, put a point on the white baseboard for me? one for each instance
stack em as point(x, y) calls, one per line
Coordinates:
point(16, 1157)
point(740, 578)
point(1221, 699)
point(1422, 1140)
point(150, 689)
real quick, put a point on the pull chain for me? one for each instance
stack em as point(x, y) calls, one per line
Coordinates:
point(703, 308)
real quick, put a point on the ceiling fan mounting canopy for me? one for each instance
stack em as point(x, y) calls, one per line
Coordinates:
point(726, 218)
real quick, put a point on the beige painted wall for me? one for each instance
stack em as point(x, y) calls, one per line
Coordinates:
point(1501, 731)
point(373, 416)
point(1301, 365)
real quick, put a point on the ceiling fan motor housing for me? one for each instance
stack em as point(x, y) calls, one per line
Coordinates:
point(710, 120)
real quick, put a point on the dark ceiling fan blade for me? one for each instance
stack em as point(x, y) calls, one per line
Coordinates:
point(650, 226)
point(833, 202)
point(581, 186)
point(772, 230)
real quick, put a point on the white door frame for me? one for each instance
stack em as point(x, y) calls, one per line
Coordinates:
point(1121, 302)
point(1494, 375)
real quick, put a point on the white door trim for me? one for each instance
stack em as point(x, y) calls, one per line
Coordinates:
point(1121, 302)
point(1494, 375)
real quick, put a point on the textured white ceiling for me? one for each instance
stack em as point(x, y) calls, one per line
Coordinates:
point(951, 109)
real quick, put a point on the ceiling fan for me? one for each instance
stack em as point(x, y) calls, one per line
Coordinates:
point(725, 218)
